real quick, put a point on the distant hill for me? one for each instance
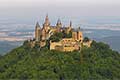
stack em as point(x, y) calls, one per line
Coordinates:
point(113, 41)
point(98, 62)
point(6, 46)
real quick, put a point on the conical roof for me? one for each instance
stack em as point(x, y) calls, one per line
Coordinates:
point(47, 20)
point(70, 23)
point(37, 25)
point(58, 21)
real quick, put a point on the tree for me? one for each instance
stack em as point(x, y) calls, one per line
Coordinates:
point(98, 63)
point(56, 37)
point(86, 39)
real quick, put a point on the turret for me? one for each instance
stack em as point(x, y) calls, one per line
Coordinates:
point(77, 35)
point(69, 28)
point(80, 35)
point(37, 25)
point(59, 23)
point(70, 23)
point(47, 23)
point(43, 33)
point(37, 32)
point(74, 35)
point(78, 28)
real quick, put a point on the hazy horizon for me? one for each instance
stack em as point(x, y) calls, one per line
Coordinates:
point(98, 18)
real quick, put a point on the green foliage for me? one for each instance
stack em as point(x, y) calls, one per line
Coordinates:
point(58, 36)
point(54, 38)
point(26, 44)
point(102, 46)
point(67, 35)
point(99, 62)
point(86, 39)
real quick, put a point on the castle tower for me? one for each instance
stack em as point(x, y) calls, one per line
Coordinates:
point(70, 23)
point(74, 35)
point(37, 32)
point(80, 35)
point(47, 20)
point(58, 25)
point(46, 24)
point(43, 34)
point(77, 35)
point(69, 28)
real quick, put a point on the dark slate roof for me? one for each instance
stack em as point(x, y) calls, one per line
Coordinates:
point(37, 24)
point(58, 21)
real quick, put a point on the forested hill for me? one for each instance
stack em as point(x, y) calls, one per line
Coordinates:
point(98, 62)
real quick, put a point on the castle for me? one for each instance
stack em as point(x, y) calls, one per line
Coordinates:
point(65, 44)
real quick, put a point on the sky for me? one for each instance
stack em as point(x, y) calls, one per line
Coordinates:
point(60, 7)
point(10, 3)
point(22, 15)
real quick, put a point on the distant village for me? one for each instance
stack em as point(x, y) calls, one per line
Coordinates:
point(43, 34)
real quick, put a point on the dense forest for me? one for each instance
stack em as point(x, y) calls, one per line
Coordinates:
point(96, 62)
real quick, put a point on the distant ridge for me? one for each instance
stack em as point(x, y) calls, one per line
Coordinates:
point(113, 41)
point(6, 46)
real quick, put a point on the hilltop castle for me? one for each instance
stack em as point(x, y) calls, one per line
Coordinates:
point(42, 34)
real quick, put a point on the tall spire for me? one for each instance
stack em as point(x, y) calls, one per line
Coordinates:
point(46, 17)
point(58, 22)
point(47, 20)
point(70, 23)
point(79, 29)
point(37, 32)
point(37, 25)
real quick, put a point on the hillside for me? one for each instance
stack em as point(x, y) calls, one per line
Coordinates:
point(97, 62)
point(6, 46)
